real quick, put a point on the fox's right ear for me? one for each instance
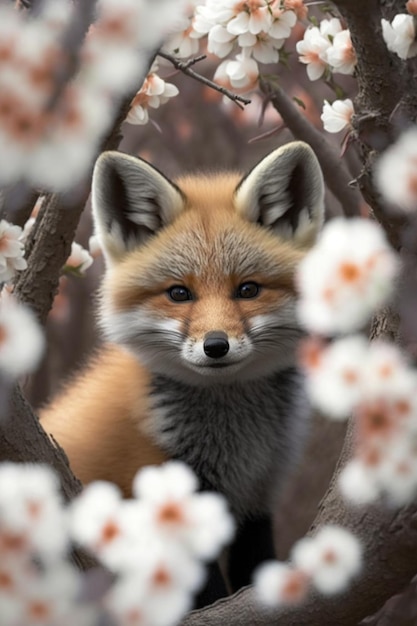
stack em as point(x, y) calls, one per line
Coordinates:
point(131, 201)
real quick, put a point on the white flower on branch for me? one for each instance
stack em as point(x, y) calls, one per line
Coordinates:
point(280, 584)
point(337, 116)
point(328, 562)
point(239, 73)
point(314, 45)
point(31, 512)
point(396, 172)
point(79, 260)
point(341, 55)
point(11, 251)
point(154, 92)
point(130, 604)
point(170, 505)
point(335, 374)
point(342, 285)
point(400, 35)
point(21, 339)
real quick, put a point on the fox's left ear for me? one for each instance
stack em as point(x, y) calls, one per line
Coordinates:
point(285, 192)
point(132, 201)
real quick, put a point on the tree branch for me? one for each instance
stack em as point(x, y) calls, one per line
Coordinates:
point(185, 69)
point(335, 173)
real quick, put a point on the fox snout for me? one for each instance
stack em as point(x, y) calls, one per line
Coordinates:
point(216, 344)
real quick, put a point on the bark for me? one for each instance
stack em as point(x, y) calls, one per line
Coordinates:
point(336, 175)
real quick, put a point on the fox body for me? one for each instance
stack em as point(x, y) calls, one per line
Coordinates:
point(198, 309)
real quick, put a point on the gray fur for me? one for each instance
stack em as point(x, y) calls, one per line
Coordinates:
point(241, 439)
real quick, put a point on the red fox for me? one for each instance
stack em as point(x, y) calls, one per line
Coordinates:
point(198, 309)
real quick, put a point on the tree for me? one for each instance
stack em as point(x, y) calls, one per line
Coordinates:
point(384, 108)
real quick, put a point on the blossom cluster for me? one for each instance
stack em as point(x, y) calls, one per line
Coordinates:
point(327, 48)
point(256, 28)
point(377, 384)
point(154, 92)
point(50, 127)
point(345, 277)
point(326, 562)
point(341, 285)
point(154, 543)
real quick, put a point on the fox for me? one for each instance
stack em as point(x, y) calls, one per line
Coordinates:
point(197, 308)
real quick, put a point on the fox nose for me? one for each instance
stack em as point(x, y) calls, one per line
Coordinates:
point(216, 344)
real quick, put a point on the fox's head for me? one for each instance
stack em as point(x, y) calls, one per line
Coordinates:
point(200, 273)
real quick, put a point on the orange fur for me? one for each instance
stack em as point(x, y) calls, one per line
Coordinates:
point(97, 419)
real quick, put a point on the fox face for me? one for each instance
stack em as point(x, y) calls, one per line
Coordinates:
point(200, 273)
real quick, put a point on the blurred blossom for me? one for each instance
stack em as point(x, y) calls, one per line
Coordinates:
point(11, 251)
point(400, 35)
point(53, 147)
point(327, 562)
point(31, 507)
point(342, 285)
point(331, 558)
point(411, 7)
point(396, 172)
point(337, 116)
point(335, 374)
point(279, 584)
point(170, 503)
point(22, 341)
point(239, 73)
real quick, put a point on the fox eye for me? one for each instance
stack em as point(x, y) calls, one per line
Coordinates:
point(178, 293)
point(248, 290)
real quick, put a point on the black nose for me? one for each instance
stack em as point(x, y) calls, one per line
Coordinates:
point(216, 344)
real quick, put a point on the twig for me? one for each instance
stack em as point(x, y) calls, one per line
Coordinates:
point(185, 68)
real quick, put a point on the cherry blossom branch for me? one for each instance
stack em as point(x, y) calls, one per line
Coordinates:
point(185, 68)
point(335, 173)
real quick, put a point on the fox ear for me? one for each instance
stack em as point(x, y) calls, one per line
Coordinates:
point(285, 192)
point(131, 201)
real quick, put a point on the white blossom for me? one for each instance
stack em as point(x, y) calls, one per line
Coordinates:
point(337, 116)
point(21, 339)
point(335, 383)
point(11, 251)
point(170, 504)
point(357, 482)
point(79, 259)
point(331, 558)
point(396, 172)
point(278, 583)
point(31, 505)
point(400, 35)
point(341, 55)
point(312, 50)
point(154, 92)
point(341, 285)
